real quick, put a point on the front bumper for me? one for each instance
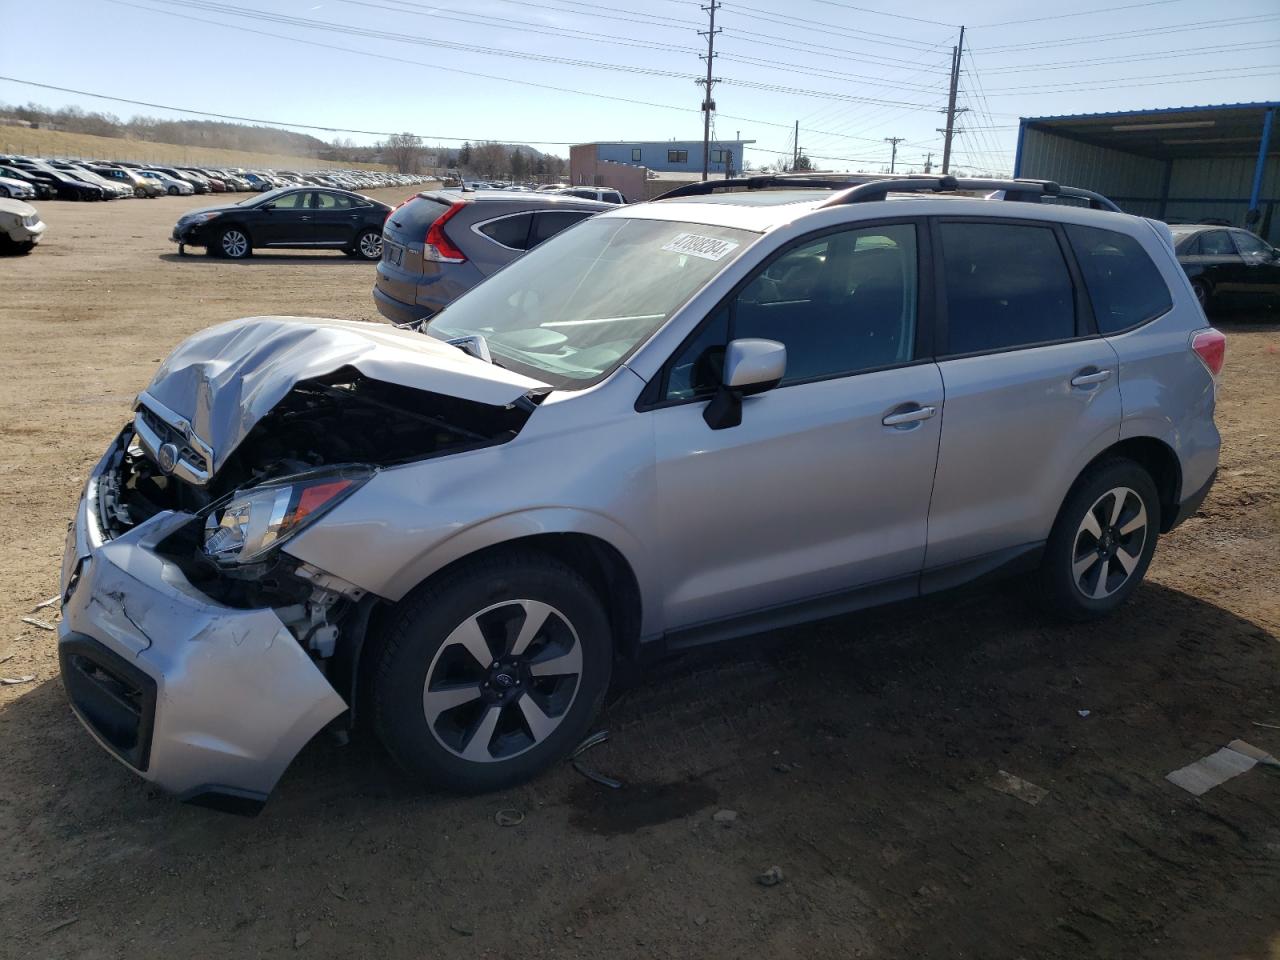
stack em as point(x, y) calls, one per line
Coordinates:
point(207, 701)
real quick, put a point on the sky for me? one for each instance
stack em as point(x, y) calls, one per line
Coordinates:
point(554, 72)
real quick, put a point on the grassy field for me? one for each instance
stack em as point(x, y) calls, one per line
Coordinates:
point(56, 143)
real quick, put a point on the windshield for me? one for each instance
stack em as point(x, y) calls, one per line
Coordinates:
point(571, 310)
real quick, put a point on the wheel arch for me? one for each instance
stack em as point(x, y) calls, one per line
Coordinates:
point(1157, 458)
point(604, 567)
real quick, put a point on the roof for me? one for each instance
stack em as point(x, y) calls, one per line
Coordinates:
point(656, 143)
point(1211, 130)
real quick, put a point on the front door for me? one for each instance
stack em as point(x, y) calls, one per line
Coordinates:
point(824, 486)
point(1032, 395)
point(286, 221)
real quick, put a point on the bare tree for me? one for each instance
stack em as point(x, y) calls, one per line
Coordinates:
point(404, 150)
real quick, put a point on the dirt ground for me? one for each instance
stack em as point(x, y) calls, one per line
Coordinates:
point(857, 753)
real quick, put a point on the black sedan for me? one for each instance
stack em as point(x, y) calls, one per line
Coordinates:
point(44, 191)
point(1228, 266)
point(65, 186)
point(292, 217)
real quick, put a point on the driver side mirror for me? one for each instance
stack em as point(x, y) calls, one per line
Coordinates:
point(750, 366)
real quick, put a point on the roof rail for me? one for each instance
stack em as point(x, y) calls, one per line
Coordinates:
point(868, 188)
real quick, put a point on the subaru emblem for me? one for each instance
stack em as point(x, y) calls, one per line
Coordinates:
point(167, 457)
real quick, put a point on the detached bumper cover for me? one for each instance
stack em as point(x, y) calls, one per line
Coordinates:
point(199, 698)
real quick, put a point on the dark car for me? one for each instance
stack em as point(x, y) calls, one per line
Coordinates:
point(44, 191)
point(301, 217)
point(65, 186)
point(439, 244)
point(1227, 266)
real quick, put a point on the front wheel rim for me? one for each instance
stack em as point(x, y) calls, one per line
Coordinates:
point(371, 246)
point(1109, 543)
point(503, 681)
point(234, 243)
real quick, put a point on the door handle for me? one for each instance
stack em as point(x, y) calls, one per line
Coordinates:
point(1088, 379)
point(909, 416)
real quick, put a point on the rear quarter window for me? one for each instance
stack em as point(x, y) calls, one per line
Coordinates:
point(511, 231)
point(1124, 286)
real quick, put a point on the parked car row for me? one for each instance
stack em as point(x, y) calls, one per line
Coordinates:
point(23, 178)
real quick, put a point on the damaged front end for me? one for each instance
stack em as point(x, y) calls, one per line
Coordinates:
point(193, 646)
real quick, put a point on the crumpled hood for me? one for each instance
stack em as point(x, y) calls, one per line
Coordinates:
point(223, 380)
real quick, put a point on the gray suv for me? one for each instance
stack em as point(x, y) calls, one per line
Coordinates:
point(689, 420)
point(439, 244)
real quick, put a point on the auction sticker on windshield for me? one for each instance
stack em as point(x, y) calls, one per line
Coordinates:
point(708, 248)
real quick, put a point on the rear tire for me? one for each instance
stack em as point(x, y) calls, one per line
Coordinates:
point(1102, 542)
point(368, 245)
point(491, 673)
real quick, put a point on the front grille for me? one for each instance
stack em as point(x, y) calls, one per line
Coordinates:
point(167, 434)
point(111, 695)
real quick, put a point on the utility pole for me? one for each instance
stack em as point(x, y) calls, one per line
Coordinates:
point(928, 163)
point(708, 104)
point(950, 130)
point(893, 157)
point(795, 147)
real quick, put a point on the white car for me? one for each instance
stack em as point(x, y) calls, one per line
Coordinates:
point(20, 227)
point(16, 189)
point(171, 186)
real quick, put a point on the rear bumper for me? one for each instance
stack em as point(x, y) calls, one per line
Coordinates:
point(397, 312)
point(206, 701)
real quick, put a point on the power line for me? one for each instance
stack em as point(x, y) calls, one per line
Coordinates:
point(272, 123)
point(1077, 13)
point(1127, 34)
point(881, 13)
point(826, 27)
point(1224, 73)
point(1180, 53)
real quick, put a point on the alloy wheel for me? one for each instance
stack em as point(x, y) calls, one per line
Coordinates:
point(371, 245)
point(234, 243)
point(1109, 543)
point(503, 681)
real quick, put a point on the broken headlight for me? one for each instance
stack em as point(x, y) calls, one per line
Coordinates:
point(253, 522)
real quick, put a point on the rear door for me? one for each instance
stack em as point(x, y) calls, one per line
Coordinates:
point(1032, 391)
point(1260, 270)
point(1219, 261)
point(334, 217)
point(547, 223)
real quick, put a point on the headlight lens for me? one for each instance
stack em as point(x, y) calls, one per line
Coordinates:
point(256, 521)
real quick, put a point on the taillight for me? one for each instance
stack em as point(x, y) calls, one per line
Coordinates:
point(439, 247)
point(1211, 347)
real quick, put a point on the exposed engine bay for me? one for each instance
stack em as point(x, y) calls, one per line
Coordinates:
point(344, 421)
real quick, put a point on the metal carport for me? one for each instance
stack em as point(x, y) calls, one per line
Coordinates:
point(1177, 164)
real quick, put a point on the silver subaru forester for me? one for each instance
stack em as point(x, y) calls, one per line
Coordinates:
point(749, 404)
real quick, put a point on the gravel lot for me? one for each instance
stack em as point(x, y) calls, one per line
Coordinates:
point(858, 753)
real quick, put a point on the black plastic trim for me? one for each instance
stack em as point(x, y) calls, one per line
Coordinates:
point(1188, 507)
point(242, 803)
point(113, 718)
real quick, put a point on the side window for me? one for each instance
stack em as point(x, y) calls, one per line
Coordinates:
point(677, 156)
point(1192, 249)
point(290, 201)
point(323, 200)
point(1124, 285)
point(840, 304)
point(611, 196)
point(548, 223)
point(509, 231)
point(1217, 243)
point(1248, 244)
point(1006, 286)
point(635, 153)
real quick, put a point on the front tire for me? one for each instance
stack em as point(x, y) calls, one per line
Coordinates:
point(1102, 541)
point(174, 191)
point(492, 673)
point(232, 243)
